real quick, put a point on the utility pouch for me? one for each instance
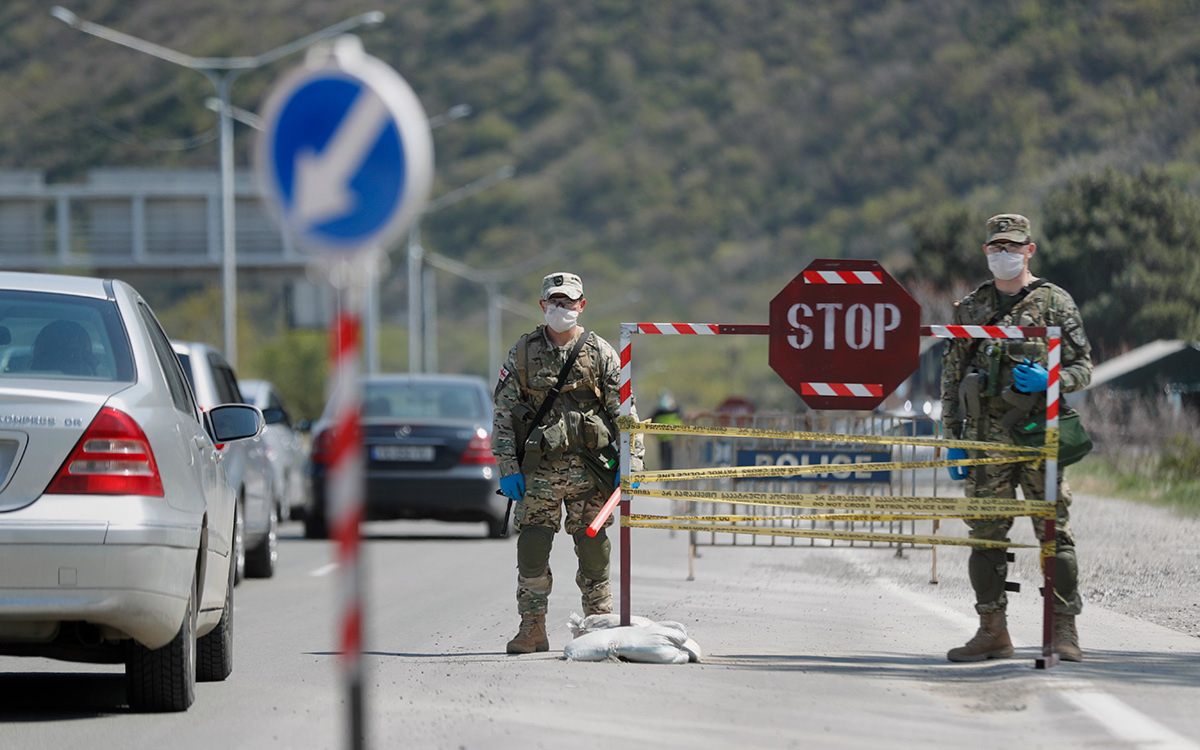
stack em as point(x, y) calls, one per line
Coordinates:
point(1073, 441)
point(969, 391)
point(522, 419)
point(587, 431)
point(994, 353)
point(532, 454)
point(603, 466)
point(1022, 404)
point(554, 440)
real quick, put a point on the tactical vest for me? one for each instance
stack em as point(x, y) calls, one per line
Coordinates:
point(577, 423)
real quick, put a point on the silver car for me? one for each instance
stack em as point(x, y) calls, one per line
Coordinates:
point(116, 518)
point(258, 504)
point(285, 445)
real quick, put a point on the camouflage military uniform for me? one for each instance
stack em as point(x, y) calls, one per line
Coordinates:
point(592, 386)
point(1048, 305)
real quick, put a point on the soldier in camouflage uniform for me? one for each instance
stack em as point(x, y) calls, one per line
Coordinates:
point(987, 386)
point(568, 463)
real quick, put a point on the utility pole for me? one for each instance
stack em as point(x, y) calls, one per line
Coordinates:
point(221, 72)
point(416, 259)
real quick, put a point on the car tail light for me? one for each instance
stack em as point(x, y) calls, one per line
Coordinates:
point(322, 447)
point(112, 458)
point(479, 450)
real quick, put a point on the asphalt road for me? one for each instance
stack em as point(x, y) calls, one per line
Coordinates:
point(810, 647)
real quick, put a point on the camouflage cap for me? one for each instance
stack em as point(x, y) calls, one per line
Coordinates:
point(562, 283)
point(1011, 227)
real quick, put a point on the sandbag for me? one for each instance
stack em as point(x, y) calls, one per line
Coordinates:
point(602, 637)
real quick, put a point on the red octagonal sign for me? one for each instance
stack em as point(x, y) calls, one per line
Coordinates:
point(844, 334)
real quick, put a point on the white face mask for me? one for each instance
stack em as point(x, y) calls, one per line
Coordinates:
point(560, 318)
point(1006, 266)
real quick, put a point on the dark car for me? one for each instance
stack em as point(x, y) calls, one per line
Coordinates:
point(428, 446)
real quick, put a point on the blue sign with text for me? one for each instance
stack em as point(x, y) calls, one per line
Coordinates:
point(840, 463)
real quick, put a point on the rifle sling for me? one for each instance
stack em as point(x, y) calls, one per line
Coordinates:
point(550, 398)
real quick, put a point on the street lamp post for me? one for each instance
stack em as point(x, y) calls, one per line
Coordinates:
point(221, 72)
point(491, 280)
point(416, 259)
point(371, 302)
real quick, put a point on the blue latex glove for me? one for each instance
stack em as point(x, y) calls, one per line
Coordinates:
point(513, 486)
point(957, 473)
point(1031, 377)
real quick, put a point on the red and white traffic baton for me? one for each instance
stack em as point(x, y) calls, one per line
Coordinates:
point(605, 512)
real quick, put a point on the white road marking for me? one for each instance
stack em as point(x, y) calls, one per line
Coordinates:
point(1125, 723)
point(324, 570)
point(1119, 719)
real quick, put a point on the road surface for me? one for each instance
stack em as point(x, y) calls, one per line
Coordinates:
point(804, 647)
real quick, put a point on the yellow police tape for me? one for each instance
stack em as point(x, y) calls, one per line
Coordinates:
point(865, 536)
point(629, 424)
point(880, 503)
point(855, 517)
point(721, 472)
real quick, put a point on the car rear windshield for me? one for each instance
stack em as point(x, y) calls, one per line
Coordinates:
point(422, 401)
point(62, 337)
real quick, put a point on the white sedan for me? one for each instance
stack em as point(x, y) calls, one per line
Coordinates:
point(116, 519)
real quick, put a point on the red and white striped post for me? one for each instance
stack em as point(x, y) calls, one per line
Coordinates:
point(1054, 362)
point(626, 467)
point(346, 486)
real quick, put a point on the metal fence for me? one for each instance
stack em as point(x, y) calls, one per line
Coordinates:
point(842, 479)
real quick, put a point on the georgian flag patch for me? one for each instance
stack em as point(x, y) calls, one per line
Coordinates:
point(503, 374)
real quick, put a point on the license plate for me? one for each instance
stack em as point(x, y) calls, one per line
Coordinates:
point(402, 452)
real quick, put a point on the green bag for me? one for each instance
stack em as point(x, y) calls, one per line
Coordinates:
point(1073, 441)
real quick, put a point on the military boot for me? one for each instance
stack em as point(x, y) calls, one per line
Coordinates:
point(531, 637)
point(991, 641)
point(1065, 640)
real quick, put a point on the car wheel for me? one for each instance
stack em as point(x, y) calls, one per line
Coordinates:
point(497, 529)
point(315, 526)
point(239, 542)
point(214, 652)
point(164, 679)
point(260, 561)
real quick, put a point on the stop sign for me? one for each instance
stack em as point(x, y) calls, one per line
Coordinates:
point(844, 334)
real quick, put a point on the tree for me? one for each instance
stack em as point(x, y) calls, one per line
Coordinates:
point(946, 247)
point(1128, 249)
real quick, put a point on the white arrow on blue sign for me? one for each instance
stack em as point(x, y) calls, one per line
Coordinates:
point(345, 157)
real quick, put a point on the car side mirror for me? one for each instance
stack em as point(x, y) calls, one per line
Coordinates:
point(274, 416)
point(230, 422)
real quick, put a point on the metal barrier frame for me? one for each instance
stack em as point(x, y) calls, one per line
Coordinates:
point(1053, 335)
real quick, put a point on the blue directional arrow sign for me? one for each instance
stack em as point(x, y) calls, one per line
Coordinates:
point(345, 157)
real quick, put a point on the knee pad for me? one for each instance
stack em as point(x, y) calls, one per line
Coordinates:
point(533, 550)
point(593, 552)
point(988, 569)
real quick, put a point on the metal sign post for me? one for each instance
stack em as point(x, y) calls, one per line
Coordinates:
point(346, 159)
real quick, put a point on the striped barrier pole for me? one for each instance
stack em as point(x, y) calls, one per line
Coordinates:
point(627, 330)
point(345, 489)
point(1050, 542)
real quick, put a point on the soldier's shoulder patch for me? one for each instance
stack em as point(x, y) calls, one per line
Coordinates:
point(504, 373)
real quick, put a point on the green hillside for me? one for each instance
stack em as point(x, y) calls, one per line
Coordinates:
point(699, 152)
